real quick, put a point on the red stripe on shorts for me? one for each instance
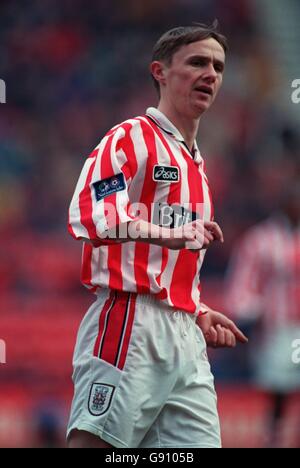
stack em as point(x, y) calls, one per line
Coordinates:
point(124, 343)
point(102, 321)
point(117, 328)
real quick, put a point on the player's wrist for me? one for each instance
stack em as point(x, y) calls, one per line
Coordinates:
point(142, 231)
point(203, 312)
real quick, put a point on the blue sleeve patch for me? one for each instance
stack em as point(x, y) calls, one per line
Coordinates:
point(106, 187)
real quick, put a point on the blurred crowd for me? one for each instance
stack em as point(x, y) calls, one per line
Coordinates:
point(73, 69)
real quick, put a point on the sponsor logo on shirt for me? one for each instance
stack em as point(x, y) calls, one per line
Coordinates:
point(166, 174)
point(172, 216)
point(108, 186)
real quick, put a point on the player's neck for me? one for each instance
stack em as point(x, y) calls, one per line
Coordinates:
point(187, 127)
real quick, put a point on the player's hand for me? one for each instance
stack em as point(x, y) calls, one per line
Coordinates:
point(188, 236)
point(219, 331)
point(214, 229)
point(195, 236)
point(212, 233)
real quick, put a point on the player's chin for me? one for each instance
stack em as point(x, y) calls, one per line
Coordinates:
point(202, 106)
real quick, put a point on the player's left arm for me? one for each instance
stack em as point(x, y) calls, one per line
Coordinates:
point(219, 331)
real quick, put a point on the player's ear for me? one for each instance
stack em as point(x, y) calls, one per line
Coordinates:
point(158, 71)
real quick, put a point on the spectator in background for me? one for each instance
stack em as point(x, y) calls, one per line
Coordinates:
point(264, 289)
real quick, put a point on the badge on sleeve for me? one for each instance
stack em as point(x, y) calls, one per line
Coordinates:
point(108, 186)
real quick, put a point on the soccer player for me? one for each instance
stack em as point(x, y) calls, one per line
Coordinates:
point(143, 208)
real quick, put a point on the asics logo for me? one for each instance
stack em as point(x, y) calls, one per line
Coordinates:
point(166, 174)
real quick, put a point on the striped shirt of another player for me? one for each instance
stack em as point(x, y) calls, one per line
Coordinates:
point(264, 274)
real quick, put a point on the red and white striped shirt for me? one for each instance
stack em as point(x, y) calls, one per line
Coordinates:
point(264, 275)
point(145, 157)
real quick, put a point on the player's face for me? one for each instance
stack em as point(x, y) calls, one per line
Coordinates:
point(194, 77)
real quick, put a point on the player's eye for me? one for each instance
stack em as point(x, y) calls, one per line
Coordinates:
point(198, 63)
point(219, 68)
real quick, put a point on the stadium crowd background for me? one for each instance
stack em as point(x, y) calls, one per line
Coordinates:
point(73, 70)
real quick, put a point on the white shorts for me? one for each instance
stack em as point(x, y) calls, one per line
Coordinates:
point(142, 377)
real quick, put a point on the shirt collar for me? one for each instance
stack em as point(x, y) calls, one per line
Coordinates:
point(166, 125)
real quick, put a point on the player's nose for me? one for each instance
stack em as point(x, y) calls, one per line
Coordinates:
point(210, 74)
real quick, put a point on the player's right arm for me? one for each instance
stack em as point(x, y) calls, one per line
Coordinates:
point(195, 236)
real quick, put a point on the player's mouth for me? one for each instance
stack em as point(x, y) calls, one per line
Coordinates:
point(207, 90)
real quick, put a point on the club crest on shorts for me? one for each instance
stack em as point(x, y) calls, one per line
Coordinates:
point(100, 398)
